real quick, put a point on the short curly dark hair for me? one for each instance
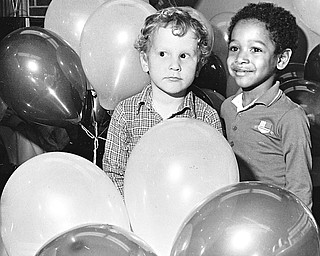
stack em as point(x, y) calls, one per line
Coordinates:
point(280, 23)
point(181, 21)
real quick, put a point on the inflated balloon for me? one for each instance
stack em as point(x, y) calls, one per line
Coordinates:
point(41, 77)
point(96, 240)
point(312, 66)
point(174, 166)
point(300, 54)
point(307, 95)
point(200, 17)
point(213, 75)
point(51, 193)
point(220, 24)
point(67, 18)
point(110, 61)
point(308, 12)
point(249, 218)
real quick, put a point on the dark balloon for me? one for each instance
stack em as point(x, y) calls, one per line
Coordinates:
point(96, 240)
point(212, 98)
point(247, 219)
point(312, 66)
point(41, 77)
point(213, 76)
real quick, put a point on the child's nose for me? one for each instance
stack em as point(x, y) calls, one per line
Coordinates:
point(242, 57)
point(175, 64)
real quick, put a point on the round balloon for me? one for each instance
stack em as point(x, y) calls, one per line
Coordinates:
point(249, 218)
point(308, 12)
point(174, 166)
point(41, 77)
point(67, 18)
point(96, 240)
point(213, 75)
point(110, 61)
point(312, 65)
point(51, 193)
point(220, 24)
point(200, 17)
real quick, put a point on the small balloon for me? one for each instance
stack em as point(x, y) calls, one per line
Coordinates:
point(96, 240)
point(67, 19)
point(54, 192)
point(213, 75)
point(312, 65)
point(41, 77)
point(249, 218)
point(174, 166)
point(308, 11)
point(110, 61)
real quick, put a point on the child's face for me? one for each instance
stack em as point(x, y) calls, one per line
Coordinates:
point(251, 59)
point(171, 61)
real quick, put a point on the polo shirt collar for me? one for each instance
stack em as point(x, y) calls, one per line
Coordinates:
point(267, 99)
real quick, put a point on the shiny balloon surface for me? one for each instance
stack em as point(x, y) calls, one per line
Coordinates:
point(41, 77)
point(96, 240)
point(174, 166)
point(51, 193)
point(109, 58)
point(213, 75)
point(249, 219)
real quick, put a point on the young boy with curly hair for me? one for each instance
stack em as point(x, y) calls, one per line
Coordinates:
point(267, 131)
point(172, 46)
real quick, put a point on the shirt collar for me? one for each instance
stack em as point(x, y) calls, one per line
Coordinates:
point(145, 99)
point(267, 99)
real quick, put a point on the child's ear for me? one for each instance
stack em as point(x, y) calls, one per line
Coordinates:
point(144, 62)
point(284, 58)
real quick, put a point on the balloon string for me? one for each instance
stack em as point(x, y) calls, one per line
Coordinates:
point(95, 139)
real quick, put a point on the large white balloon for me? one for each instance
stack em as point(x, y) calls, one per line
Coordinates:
point(110, 61)
point(174, 166)
point(51, 193)
point(67, 18)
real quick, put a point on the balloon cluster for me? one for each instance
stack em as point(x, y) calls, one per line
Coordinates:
point(62, 204)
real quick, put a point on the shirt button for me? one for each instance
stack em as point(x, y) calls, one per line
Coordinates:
point(234, 128)
point(231, 143)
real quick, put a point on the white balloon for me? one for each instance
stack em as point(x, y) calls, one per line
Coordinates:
point(174, 166)
point(51, 193)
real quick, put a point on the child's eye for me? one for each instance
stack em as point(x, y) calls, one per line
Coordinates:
point(256, 49)
point(162, 54)
point(233, 48)
point(183, 55)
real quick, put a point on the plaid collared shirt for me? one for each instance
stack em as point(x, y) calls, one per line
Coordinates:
point(133, 117)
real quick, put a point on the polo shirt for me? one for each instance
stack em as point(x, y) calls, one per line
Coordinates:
point(271, 140)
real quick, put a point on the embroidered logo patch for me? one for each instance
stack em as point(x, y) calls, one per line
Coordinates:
point(265, 127)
